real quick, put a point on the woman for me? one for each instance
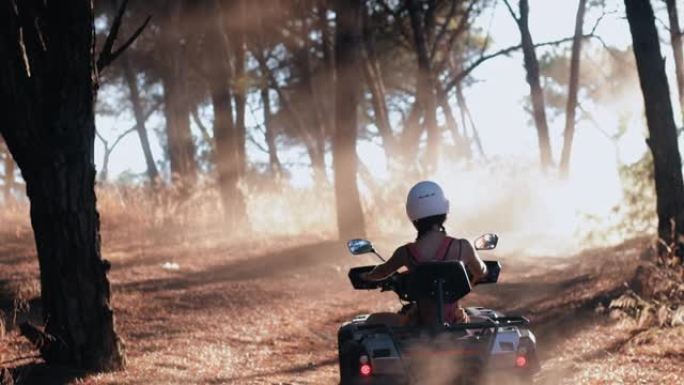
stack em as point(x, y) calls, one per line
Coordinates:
point(427, 208)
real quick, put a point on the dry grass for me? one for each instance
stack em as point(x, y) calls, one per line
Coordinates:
point(272, 212)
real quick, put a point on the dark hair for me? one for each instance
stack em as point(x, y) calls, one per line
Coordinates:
point(423, 225)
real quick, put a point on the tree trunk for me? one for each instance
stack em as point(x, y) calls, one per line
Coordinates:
point(376, 85)
point(316, 150)
point(536, 92)
point(226, 137)
point(226, 159)
point(425, 90)
point(295, 121)
point(410, 137)
point(134, 94)
point(47, 100)
point(676, 41)
point(661, 127)
point(181, 148)
point(274, 164)
point(462, 146)
point(328, 67)
point(573, 86)
point(381, 117)
point(104, 172)
point(350, 221)
point(465, 111)
point(240, 92)
point(313, 112)
point(318, 107)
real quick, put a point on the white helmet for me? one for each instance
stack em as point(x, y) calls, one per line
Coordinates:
point(425, 200)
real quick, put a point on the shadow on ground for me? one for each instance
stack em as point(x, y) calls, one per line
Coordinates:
point(42, 374)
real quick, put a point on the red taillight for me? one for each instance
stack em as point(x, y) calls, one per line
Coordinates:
point(365, 370)
point(521, 361)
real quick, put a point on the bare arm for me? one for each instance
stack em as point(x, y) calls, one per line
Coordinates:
point(472, 260)
point(393, 264)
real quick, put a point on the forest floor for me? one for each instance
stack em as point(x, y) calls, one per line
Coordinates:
point(195, 311)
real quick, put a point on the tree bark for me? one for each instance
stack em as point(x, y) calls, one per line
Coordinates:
point(661, 127)
point(240, 91)
point(676, 41)
point(274, 164)
point(226, 137)
point(48, 80)
point(180, 145)
point(573, 86)
point(533, 79)
point(425, 90)
point(134, 94)
point(350, 221)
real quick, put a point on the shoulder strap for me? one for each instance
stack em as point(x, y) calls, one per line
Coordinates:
point(460, 249)
point(443, 250)
point(413, 253)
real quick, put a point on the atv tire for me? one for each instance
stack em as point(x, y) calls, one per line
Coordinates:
point(348, 358)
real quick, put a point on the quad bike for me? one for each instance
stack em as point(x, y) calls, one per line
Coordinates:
point(491, 348)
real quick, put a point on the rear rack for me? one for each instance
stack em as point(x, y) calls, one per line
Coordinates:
point(492, 323)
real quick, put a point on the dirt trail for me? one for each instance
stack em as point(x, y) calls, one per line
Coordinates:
point(211, 313)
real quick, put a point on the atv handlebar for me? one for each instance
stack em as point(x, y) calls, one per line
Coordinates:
point(359, 283)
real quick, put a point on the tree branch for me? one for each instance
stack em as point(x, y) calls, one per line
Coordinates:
point(511, 11)
point(121, 136)
point(202, 127)
point(258, 145)
point(403, 32)
point(447, 21)
point(106, 55)
point(483, 58)
point(125, 133)
point(105, 143)
point(112, 35)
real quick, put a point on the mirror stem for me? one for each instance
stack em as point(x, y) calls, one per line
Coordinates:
point(378, 255)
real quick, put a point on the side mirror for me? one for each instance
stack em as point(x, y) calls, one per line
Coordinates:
point(360, 246)
point(486, 242)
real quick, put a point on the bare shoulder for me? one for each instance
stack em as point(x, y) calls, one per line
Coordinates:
point(400, 254)
point(467, 245)
point(461, 249)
